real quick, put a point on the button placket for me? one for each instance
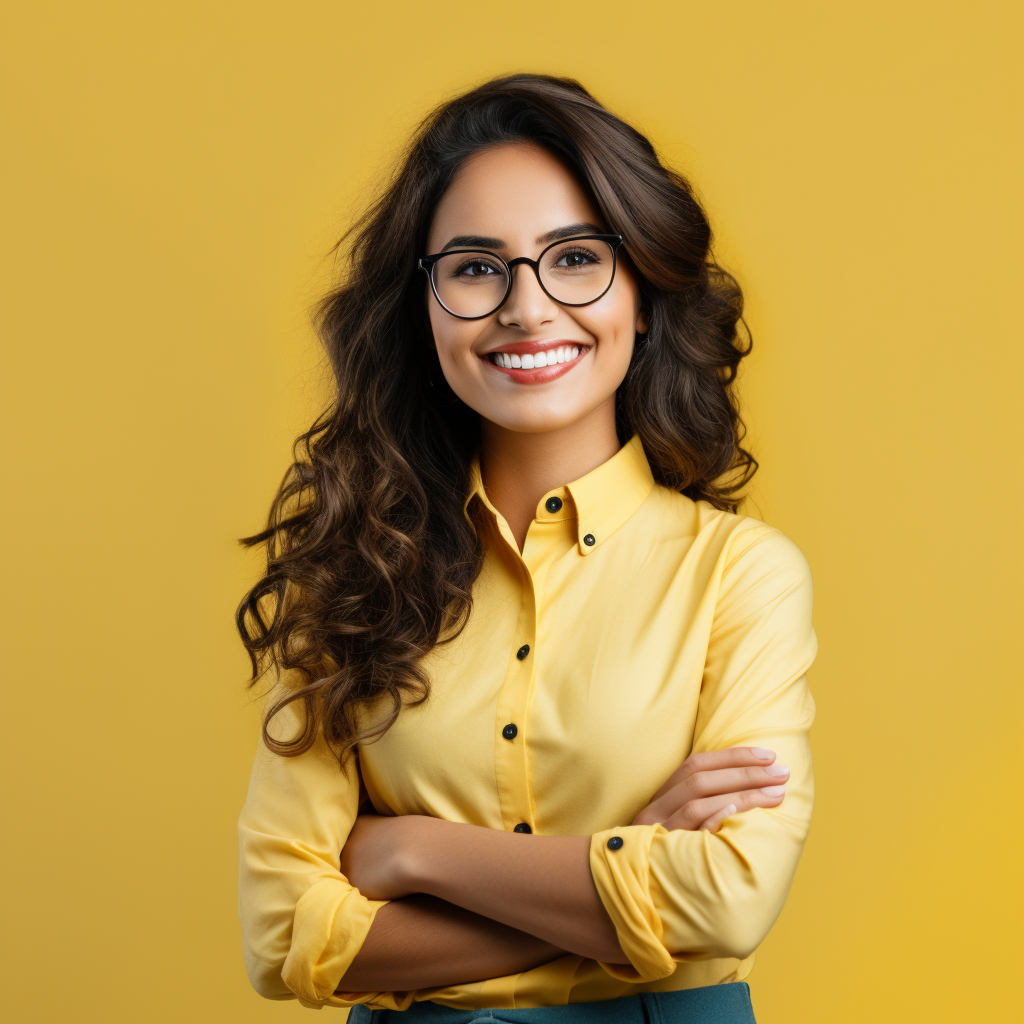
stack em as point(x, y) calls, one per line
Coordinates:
point(510, 765)
point(544, 540)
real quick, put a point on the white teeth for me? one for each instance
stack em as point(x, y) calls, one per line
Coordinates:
point(527, 361)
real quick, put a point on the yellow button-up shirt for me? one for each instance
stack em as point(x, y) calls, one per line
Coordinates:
point(635, 627)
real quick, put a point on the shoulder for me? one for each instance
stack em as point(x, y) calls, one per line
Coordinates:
point(734, 543)
point(763, 573)
point(754, 546)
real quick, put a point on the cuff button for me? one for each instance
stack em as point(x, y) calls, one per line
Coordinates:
point(614, 843)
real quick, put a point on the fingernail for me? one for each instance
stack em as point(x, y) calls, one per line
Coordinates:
point(773, 790)
point(731, 809)
point(762, 752)
point(777, 769)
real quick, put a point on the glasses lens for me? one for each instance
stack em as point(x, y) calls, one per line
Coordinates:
point(470, 283)
point(579, 271)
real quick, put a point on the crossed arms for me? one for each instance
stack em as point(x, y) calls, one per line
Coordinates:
point(469, 903)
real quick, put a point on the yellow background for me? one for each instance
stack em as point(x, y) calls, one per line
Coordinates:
point(175, 176)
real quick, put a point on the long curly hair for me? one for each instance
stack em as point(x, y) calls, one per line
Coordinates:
point(370, 558)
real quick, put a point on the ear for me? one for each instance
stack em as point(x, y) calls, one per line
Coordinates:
point(642, 326)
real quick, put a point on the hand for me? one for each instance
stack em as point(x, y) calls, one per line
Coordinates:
point(710, 786)
point(374, 858)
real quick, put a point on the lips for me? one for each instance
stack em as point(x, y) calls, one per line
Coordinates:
point(502, 360)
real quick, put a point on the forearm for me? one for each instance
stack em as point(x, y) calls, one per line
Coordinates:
point(421, 941)
point(537, 884)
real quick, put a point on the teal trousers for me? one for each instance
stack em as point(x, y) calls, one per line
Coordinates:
point(711, 1004)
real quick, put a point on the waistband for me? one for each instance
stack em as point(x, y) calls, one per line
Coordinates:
point(728, 1003)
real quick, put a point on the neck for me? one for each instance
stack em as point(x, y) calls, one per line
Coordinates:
point(519, 468)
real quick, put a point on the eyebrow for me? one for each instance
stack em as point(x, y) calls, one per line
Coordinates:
point(486, 242)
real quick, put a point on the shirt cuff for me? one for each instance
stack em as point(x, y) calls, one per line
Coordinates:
point(620, 866)
point(329, 928)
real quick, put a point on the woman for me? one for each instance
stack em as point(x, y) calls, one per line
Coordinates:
point(511, 613)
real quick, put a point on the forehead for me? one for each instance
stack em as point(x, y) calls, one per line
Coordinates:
point(513, 191)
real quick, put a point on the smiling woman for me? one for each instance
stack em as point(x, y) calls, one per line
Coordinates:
point(576, 301)
point(524, 651)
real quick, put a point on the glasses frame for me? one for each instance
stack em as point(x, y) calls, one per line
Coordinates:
point(426, 264)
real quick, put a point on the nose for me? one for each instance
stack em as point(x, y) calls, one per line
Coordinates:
point(528, 306)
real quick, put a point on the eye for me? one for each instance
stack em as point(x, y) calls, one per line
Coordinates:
point(475, 268)
point(578, 256)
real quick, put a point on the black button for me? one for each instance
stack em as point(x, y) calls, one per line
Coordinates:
point(553, 504)
point(614, 843)
point(523, 651)
point(522, 827)
point(509, 732)
point(589, 539)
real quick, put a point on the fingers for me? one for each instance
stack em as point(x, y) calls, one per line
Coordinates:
point(714, 823)
point(694, 814)
point(715, 760)
point(726, 780)
point(717, 782)
point(730, 757)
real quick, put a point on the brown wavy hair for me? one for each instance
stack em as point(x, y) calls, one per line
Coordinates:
point(370, 559)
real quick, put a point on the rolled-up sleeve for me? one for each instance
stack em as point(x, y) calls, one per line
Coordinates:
point(681, 895)
point(302, 922)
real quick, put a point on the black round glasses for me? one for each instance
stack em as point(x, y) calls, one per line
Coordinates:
point(474, 283)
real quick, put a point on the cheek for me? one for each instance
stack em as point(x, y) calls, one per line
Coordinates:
point(613, 324)
point(453, 338)
point(442, 328)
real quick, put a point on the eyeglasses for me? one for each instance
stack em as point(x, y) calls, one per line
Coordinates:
point(474, 283)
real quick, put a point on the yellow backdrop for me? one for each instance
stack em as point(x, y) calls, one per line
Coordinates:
point(175, 176)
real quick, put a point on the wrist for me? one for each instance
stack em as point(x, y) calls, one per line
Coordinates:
point(416, 855)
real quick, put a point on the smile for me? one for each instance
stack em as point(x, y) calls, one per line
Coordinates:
point(538, 365)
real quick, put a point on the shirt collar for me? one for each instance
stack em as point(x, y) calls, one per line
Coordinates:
point(599, 501)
